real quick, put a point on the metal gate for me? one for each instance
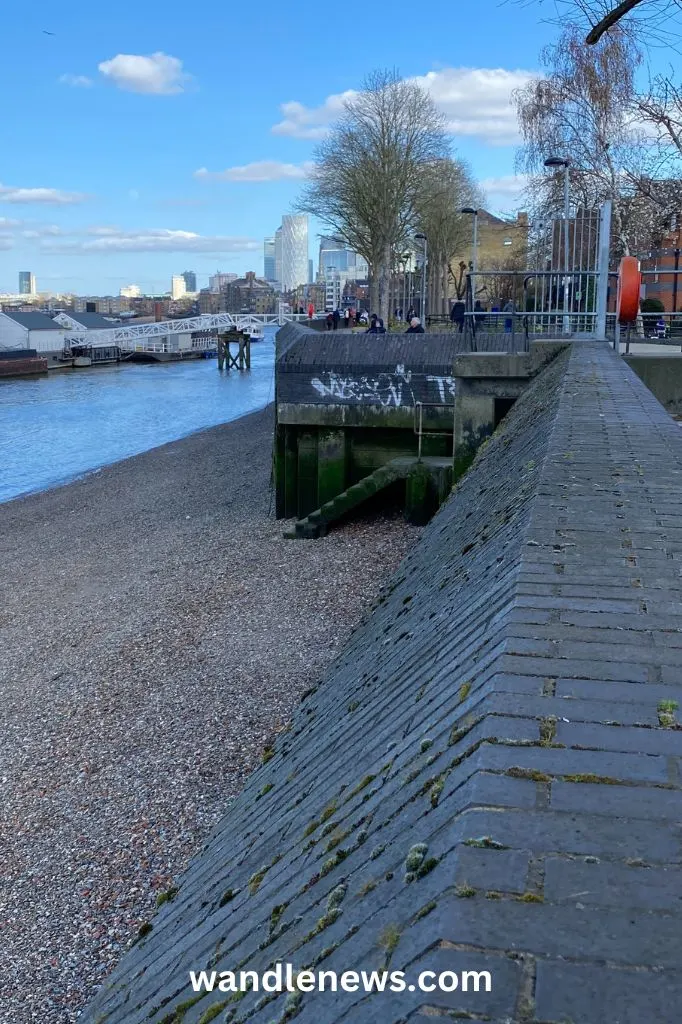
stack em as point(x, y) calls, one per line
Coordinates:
point(563, 293)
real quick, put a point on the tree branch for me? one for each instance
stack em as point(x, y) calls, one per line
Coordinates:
point(611, 19)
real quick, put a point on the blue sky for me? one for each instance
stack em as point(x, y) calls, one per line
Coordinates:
point(108, 121)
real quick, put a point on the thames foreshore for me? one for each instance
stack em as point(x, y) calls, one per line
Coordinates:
point(156, 632)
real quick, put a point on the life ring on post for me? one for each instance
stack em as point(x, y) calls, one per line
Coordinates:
point(629, 289)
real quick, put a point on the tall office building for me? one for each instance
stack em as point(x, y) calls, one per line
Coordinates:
point(310, 272)
point(178, 288)
point(130, 291)
point(335, 255)
point(27, 283)
point(278, 257)
point(190, 281)
point(294, 250)
point(269, 272)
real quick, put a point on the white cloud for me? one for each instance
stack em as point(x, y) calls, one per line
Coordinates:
point(158, 74)
point(107, 240)
point(311, 122)
point(6, 242)
point(7, 222)
point(263, 170)
point(9, 194)
point(476, 102)
point(77, 81)
point(506, 190)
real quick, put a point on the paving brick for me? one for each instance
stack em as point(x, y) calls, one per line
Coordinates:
point(590, 885)
point(585, 994)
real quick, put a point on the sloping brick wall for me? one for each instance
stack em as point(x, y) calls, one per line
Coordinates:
point(501, 706)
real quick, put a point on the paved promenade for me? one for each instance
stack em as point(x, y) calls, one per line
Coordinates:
point(489, 776)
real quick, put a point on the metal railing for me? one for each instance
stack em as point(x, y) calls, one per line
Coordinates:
point(419, 424)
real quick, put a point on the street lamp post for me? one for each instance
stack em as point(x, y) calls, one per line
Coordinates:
point(474, 256)
point(422, 309)
point(557, 161)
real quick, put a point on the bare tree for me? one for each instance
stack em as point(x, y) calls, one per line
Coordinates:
point(367, 176)
point(446, 186)
point(584, 109)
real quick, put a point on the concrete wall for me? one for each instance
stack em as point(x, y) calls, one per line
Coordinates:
point(662, 374)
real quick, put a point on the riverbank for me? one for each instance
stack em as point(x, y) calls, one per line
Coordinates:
point(156, 631)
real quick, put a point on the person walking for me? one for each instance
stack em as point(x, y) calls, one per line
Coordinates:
point(415, 326)
point(330, 321)
point(346, 318)
point(311, 311)
point(336, 316)
point(457, 315)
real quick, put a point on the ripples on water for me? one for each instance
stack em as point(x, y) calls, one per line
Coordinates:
point(57, 427)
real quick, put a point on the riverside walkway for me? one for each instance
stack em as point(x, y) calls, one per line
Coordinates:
point(489, 777)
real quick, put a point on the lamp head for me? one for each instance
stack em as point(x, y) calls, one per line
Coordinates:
point(556, 161)
point(469, 209)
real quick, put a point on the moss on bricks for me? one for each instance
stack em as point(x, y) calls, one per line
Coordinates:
point(530, 897)
point(367, 781)
point(167, 896)
point(366, 888)
point(268, 754)
point(516, 772)
point(424, 745)
point(604, 780)
point(212, 1012)
point(429, 864)
point(332, 862)
point(265, 790)
point(425, 910)
point(415, 856)
point(276, 915)
point(377, 851)
point(336, 840)
point(327, 813)
point(435, 792)
point(256, 879)
point(465, 891)
point(144, 929)
point(228, 895)
point(667, 718)
point(292, 1006)
point(353, 706)
point(485, 843)
point(464, 691)
point(547, 730)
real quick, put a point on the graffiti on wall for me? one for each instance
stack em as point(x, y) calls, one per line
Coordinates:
point(393, 390)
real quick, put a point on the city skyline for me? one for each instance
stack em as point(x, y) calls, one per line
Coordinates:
point(86, 224)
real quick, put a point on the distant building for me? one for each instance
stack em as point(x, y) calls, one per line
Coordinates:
point(130, 291)
point(83, 321)
point(336, 256)
point(278, 257)
point(178, 287)
point(294, 251)
point(209, 302)
point(310, 272)
point(190, 279)
point(30, 330)
point(27, 283)
point(269, 267)
point(249, 294)
point(217, 282)
point(105, 304)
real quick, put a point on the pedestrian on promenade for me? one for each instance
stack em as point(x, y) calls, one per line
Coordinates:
point(336, 316)
point(376, 325)
point(330, 321)
point(457, 315)
point(410, 313)
point(509, 308)
point(346, 318)
point(415, 326)
point(311, 311)
point(352, 317)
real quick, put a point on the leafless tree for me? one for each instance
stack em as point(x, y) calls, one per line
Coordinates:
point(447, 185)
point(367, 176)
point(584, 109)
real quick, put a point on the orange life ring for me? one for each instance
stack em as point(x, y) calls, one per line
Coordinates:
point(629, 288)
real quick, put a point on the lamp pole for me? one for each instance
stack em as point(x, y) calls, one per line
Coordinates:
point(422, 309)
point(556, 161)
point(474, 255)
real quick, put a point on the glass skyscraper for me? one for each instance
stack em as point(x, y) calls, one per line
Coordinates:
point(294, 250)
point(269, 269)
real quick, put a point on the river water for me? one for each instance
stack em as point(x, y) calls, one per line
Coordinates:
point(58, 427)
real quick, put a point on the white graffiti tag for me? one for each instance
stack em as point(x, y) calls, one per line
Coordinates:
point(446, 385)
point(386, 389)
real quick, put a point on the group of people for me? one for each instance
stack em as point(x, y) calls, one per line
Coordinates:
point(375, 323)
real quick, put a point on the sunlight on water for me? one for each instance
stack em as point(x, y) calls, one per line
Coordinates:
point(57, 427)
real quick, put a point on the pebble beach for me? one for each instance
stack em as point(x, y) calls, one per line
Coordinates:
point(156, 632)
